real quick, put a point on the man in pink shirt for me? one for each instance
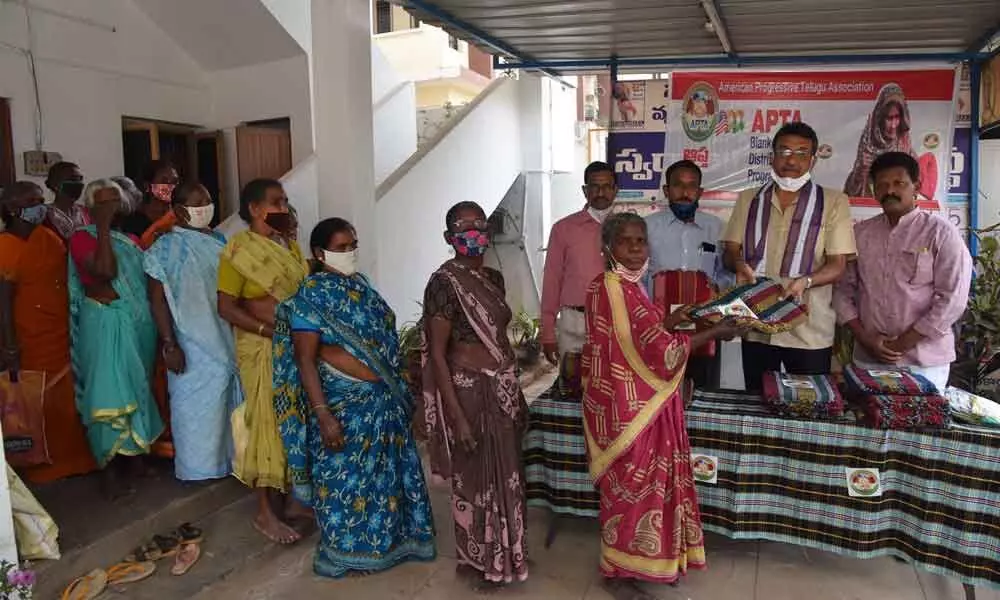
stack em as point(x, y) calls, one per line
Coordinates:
point(555, 454)
point(910, 282)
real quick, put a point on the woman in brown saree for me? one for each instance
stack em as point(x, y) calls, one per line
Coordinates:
point(475, 411)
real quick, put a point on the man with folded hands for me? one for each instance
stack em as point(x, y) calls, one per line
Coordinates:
point(910, 282)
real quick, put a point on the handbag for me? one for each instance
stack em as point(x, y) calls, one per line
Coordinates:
point(22, 416)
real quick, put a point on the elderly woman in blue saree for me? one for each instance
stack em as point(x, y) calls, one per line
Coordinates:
point(344, 414)
point(197, 345)
point(113, 338)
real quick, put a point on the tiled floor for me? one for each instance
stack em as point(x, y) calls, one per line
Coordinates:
point(567, 571)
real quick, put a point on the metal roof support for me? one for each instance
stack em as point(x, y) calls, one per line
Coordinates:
point(476, 35)
point(614, 81)
point(984, 39)
point(975, 70)
point(739, 61)
point(718, 25)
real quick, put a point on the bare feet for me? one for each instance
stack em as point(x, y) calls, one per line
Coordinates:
point(625, 589)
point(475, 580)
point(276, 531)
point(300, 517)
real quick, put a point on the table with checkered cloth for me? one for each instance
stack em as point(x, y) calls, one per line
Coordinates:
point(784, 480)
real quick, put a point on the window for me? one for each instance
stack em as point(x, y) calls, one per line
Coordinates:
point(383, 17)
point(453, 42)
point(7, 175)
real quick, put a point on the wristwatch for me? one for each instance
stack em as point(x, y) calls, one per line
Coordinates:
point(809, 281)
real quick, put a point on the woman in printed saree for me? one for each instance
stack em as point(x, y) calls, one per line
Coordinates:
point(34, 326)
point(197, 345)
point(113, 335)
point(475, 411)
point(633, 368)
point(344, 411)
point(259, 268)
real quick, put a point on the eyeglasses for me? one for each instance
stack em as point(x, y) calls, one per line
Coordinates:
point(788, 153)
point(466, 225)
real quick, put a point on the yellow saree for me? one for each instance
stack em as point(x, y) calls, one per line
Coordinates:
point(277, 272)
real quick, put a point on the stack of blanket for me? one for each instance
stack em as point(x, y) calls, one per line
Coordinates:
point(802, 396)
point(896, 399)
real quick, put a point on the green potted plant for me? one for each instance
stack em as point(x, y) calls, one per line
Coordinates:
point(978, 339)
point(524, 330)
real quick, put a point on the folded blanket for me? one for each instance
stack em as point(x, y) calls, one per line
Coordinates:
point(894, 411)
point(773, 315)
point(970, 408)
point(873, 382)
point(803, 396)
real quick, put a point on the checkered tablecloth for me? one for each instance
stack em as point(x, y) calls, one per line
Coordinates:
point(785, 480)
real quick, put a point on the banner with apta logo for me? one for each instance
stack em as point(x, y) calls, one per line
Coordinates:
point(724, 121)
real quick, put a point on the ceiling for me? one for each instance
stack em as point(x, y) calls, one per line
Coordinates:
point(573, 30)
point(218, 37)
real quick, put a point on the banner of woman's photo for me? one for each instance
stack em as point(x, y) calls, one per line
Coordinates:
point(725, 121)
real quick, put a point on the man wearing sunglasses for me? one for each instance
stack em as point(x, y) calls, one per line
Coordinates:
point(65, 181)
point(799, 233)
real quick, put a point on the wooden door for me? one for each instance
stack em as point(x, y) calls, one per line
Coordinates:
point(210, 169)
point(262, 152)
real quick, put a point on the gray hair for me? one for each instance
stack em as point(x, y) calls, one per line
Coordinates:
point(132, 195)
point(90, 193)
point(614, 224)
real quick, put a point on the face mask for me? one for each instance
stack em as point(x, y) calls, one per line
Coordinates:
point(162, 191)
point(473, 242)
point(345, 263)
point(791, 184)
point(34, 214)
point(626, 273)
point(598, 214)
point(71, 189)
point(684, 211)
point(200, 216)
point(279, 221)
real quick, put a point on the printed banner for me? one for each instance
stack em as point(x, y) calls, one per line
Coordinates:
point(638, 127)
point(725, 121)
point(989, 87)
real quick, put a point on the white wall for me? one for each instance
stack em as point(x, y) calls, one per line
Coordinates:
point(989, 182)
point(394, 129)
point(295, 16)
point(264, 91)
point(89, 77)
point(423, 54)
point(477, 160)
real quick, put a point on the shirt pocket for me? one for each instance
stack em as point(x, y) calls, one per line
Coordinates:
point(919, 266)
point(707, 262)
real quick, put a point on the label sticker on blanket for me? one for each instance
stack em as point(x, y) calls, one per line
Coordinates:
point(685, 326)
point(863, 483)
point(705, 468)
point(893, 374)
point(799, 383)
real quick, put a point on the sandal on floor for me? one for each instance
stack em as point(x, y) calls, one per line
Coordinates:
point(145, 553)
point(169, 544)
point(130, 572)
point(87, 587)
point(189, 534)
point(188, 555)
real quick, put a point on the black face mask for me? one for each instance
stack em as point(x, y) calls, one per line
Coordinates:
point(71, 189)
point(280, 222)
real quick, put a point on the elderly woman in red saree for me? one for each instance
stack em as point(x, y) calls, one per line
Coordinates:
point(633, 369)
point(474, 409)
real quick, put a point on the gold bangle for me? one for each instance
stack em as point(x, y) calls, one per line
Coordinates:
point(317, 407)
point(260, 330)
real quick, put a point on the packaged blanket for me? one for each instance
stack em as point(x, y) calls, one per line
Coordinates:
point(802, 396)
point(894, 411)
point(873, 382)
point(970, 408)
point(759, 305)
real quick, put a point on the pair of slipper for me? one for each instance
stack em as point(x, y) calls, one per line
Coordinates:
point(93, 584)
point(184, 543)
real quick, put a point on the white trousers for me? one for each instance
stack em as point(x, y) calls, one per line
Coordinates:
point(571, 331)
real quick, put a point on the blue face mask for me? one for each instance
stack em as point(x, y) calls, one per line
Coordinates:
point(684, 210)
point(34, 214)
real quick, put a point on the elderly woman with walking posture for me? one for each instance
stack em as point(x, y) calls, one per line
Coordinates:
point(344, 411)
point(633, 366)
point(197, 345)
point(112, 332)
point(475, 411)
point(259, 268)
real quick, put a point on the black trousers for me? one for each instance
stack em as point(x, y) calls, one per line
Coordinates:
point(759, 358)
point(704, 370)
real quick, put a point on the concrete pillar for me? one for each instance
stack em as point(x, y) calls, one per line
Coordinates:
point(342, 105)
